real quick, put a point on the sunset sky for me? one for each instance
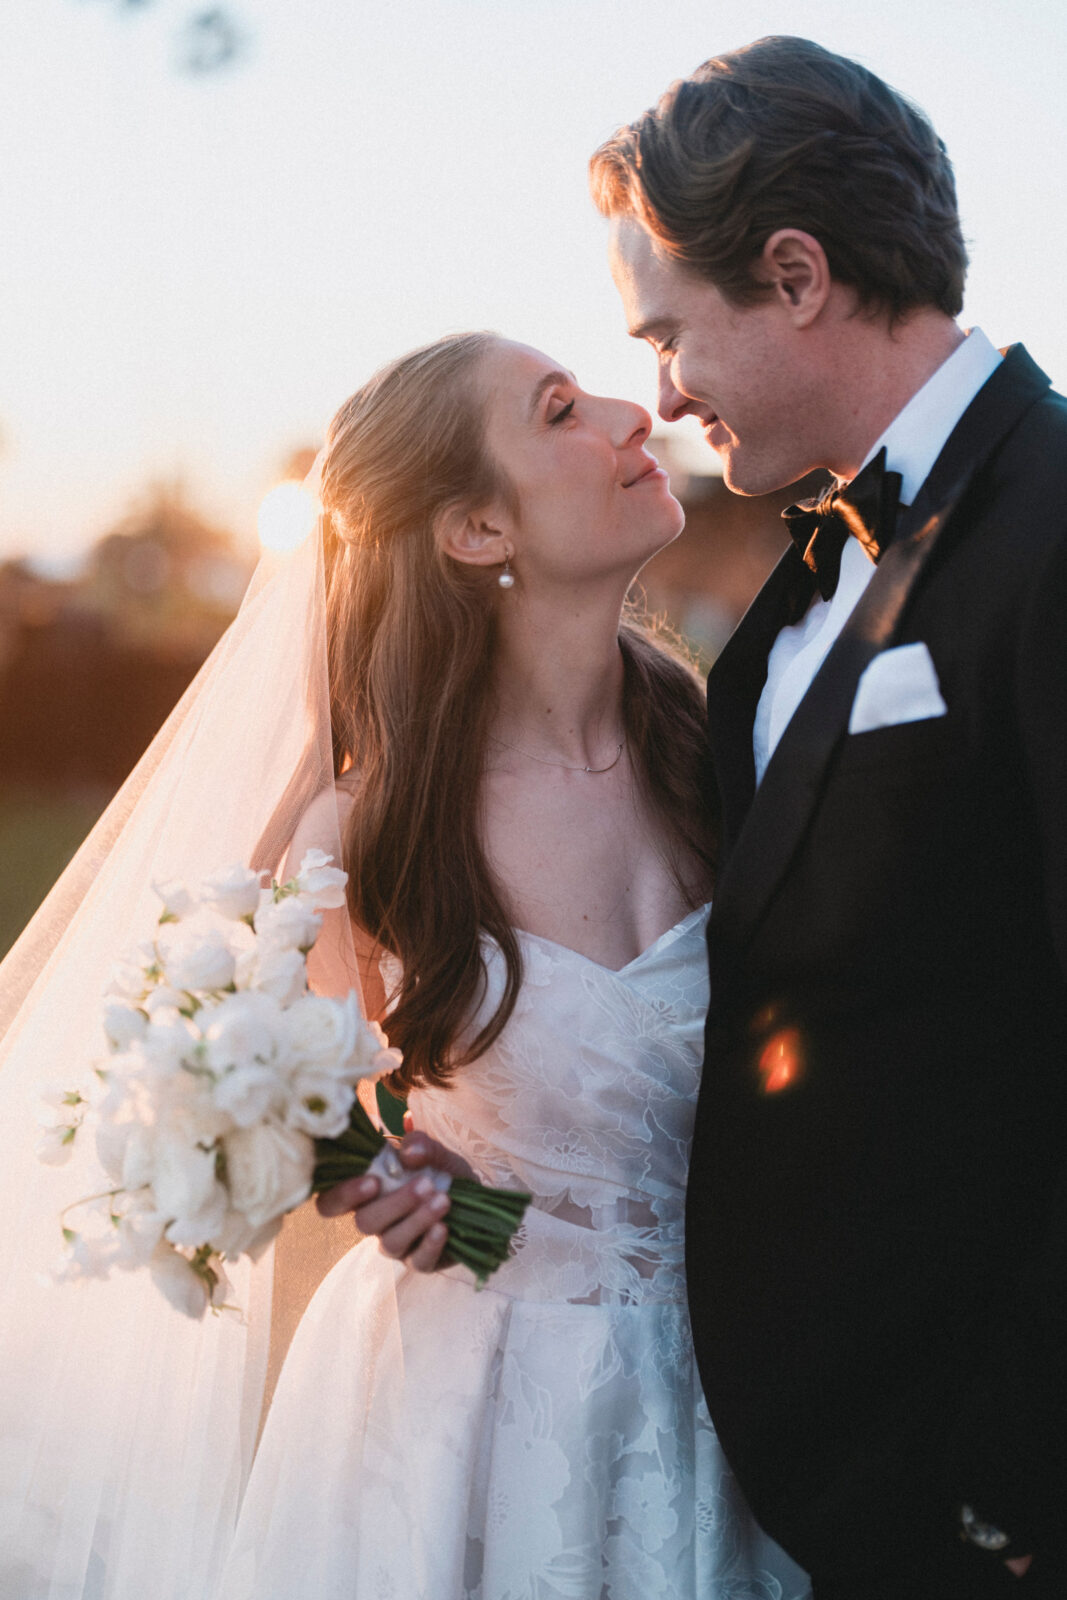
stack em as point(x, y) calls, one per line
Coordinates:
point(196, 270)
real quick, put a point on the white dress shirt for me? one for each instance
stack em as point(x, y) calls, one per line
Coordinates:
point(913, 441)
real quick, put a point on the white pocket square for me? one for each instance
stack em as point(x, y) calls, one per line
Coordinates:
point(900, 685)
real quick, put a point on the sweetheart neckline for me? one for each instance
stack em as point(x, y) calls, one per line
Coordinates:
point(677, 928)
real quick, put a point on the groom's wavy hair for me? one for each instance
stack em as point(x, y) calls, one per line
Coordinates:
point(785, 134)
point(411, 638)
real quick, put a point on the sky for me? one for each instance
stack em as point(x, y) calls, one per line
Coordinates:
point(196, 270)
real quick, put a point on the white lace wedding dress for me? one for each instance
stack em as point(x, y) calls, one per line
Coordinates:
point(545, 1438)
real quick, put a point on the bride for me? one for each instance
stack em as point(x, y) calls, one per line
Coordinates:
point(522, 808)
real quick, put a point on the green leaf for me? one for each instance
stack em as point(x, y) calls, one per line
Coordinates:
point(391, 1109)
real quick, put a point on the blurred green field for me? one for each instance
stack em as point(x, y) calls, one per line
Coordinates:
point(39, 832)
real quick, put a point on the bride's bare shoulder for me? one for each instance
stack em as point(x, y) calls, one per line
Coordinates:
point(322, 823)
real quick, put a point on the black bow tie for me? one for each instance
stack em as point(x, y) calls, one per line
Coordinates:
point(866, 509)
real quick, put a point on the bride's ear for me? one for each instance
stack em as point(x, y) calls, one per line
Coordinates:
point(468, 536)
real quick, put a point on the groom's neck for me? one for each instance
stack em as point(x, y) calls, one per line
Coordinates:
point(872, 370)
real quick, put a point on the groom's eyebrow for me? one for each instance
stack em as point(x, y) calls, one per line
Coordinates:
point(546, 382)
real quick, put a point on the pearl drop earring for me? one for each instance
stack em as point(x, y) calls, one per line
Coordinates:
point(506, 579)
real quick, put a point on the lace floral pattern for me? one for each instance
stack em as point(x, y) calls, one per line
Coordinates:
point(545, 1439)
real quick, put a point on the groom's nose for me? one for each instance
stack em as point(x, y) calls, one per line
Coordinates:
point(672, 402)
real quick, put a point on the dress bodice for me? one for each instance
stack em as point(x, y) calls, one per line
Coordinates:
point(586, 1099)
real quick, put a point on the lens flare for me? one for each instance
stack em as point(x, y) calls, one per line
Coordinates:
point(781, 1060)
point(286, 516)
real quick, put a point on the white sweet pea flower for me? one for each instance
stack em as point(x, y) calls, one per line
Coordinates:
point(85, 1258)
point(56, 1145)
point(202, 961)
point(320, 883)
point(198, 1228)
point(175, 1276)
point(243, 1030)
point(249, 1093)
point(177, 901)
point(168, 1043)
point(234, 892)
point(129, 1155)
point(139, 1231)
point(288, 924)
point(134, 976)
point(268, 1170)
point(165, 998)
point(123, 1024)
point(319, 1103)
point(239, 1237)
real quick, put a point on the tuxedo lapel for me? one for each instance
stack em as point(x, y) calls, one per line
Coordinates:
point(735, 684)
point(764, 830)
point(781, 810)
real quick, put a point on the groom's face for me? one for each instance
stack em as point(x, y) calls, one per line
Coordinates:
point(741, 370)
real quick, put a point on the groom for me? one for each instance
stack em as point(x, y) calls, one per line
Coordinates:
point(878, 1192)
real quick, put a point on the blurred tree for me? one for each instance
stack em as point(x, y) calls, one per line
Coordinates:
point(210, 38)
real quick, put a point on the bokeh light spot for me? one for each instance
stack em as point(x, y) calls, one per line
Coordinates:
point(781, 1061)
point(286, 516)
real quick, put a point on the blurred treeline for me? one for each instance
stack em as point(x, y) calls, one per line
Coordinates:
point(91, 665)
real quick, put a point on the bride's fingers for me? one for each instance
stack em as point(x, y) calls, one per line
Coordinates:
point(427, 1253)
point(408, 1238)
point(388, 1211)
point(346, 1196)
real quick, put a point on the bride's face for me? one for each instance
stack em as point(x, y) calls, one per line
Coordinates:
point(589, 499)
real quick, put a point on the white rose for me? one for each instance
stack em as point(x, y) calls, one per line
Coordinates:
point(322, 884)
point(173, 1275)
point(183, 1177)
point(324, 1032)
point(277, 972)
point(234, 892)
point(123, 1024)
point(288, 924)
point(268, 1170)
point(248, 1093)
point(244, 1029)
point(177, 901)
point(319, 1104)
point(201, 962)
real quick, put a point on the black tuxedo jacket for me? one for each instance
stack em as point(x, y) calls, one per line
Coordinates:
point(877, 1215)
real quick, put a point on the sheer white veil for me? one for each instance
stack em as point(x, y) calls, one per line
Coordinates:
point(126, 1429)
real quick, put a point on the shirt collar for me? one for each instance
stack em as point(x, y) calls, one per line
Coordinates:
point(917, 434)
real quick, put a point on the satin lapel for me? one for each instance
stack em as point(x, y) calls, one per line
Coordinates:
point(783, 804)
point(735, 684)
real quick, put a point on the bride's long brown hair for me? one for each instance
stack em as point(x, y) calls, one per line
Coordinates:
point(411, 637)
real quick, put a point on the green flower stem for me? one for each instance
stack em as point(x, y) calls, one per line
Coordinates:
point(481, 1221)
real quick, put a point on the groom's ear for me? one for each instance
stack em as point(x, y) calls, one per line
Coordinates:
point(473, 537)
point(794, 264)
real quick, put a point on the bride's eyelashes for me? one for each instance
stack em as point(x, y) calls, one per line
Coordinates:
point(560, 416)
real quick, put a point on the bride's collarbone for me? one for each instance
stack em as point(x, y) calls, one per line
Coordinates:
point(586, 872)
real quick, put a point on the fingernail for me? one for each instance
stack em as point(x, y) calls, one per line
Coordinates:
point(423, 1187)
point(436, 1233)
point(414, 1147)
point(366, 1188)
point(439, 1203)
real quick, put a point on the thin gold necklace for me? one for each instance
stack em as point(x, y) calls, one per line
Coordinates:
point(564, 765)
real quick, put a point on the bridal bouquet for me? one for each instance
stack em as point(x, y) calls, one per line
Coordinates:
point(229, 1094)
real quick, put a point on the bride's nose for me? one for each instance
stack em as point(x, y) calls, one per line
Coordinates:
point(632, 425)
